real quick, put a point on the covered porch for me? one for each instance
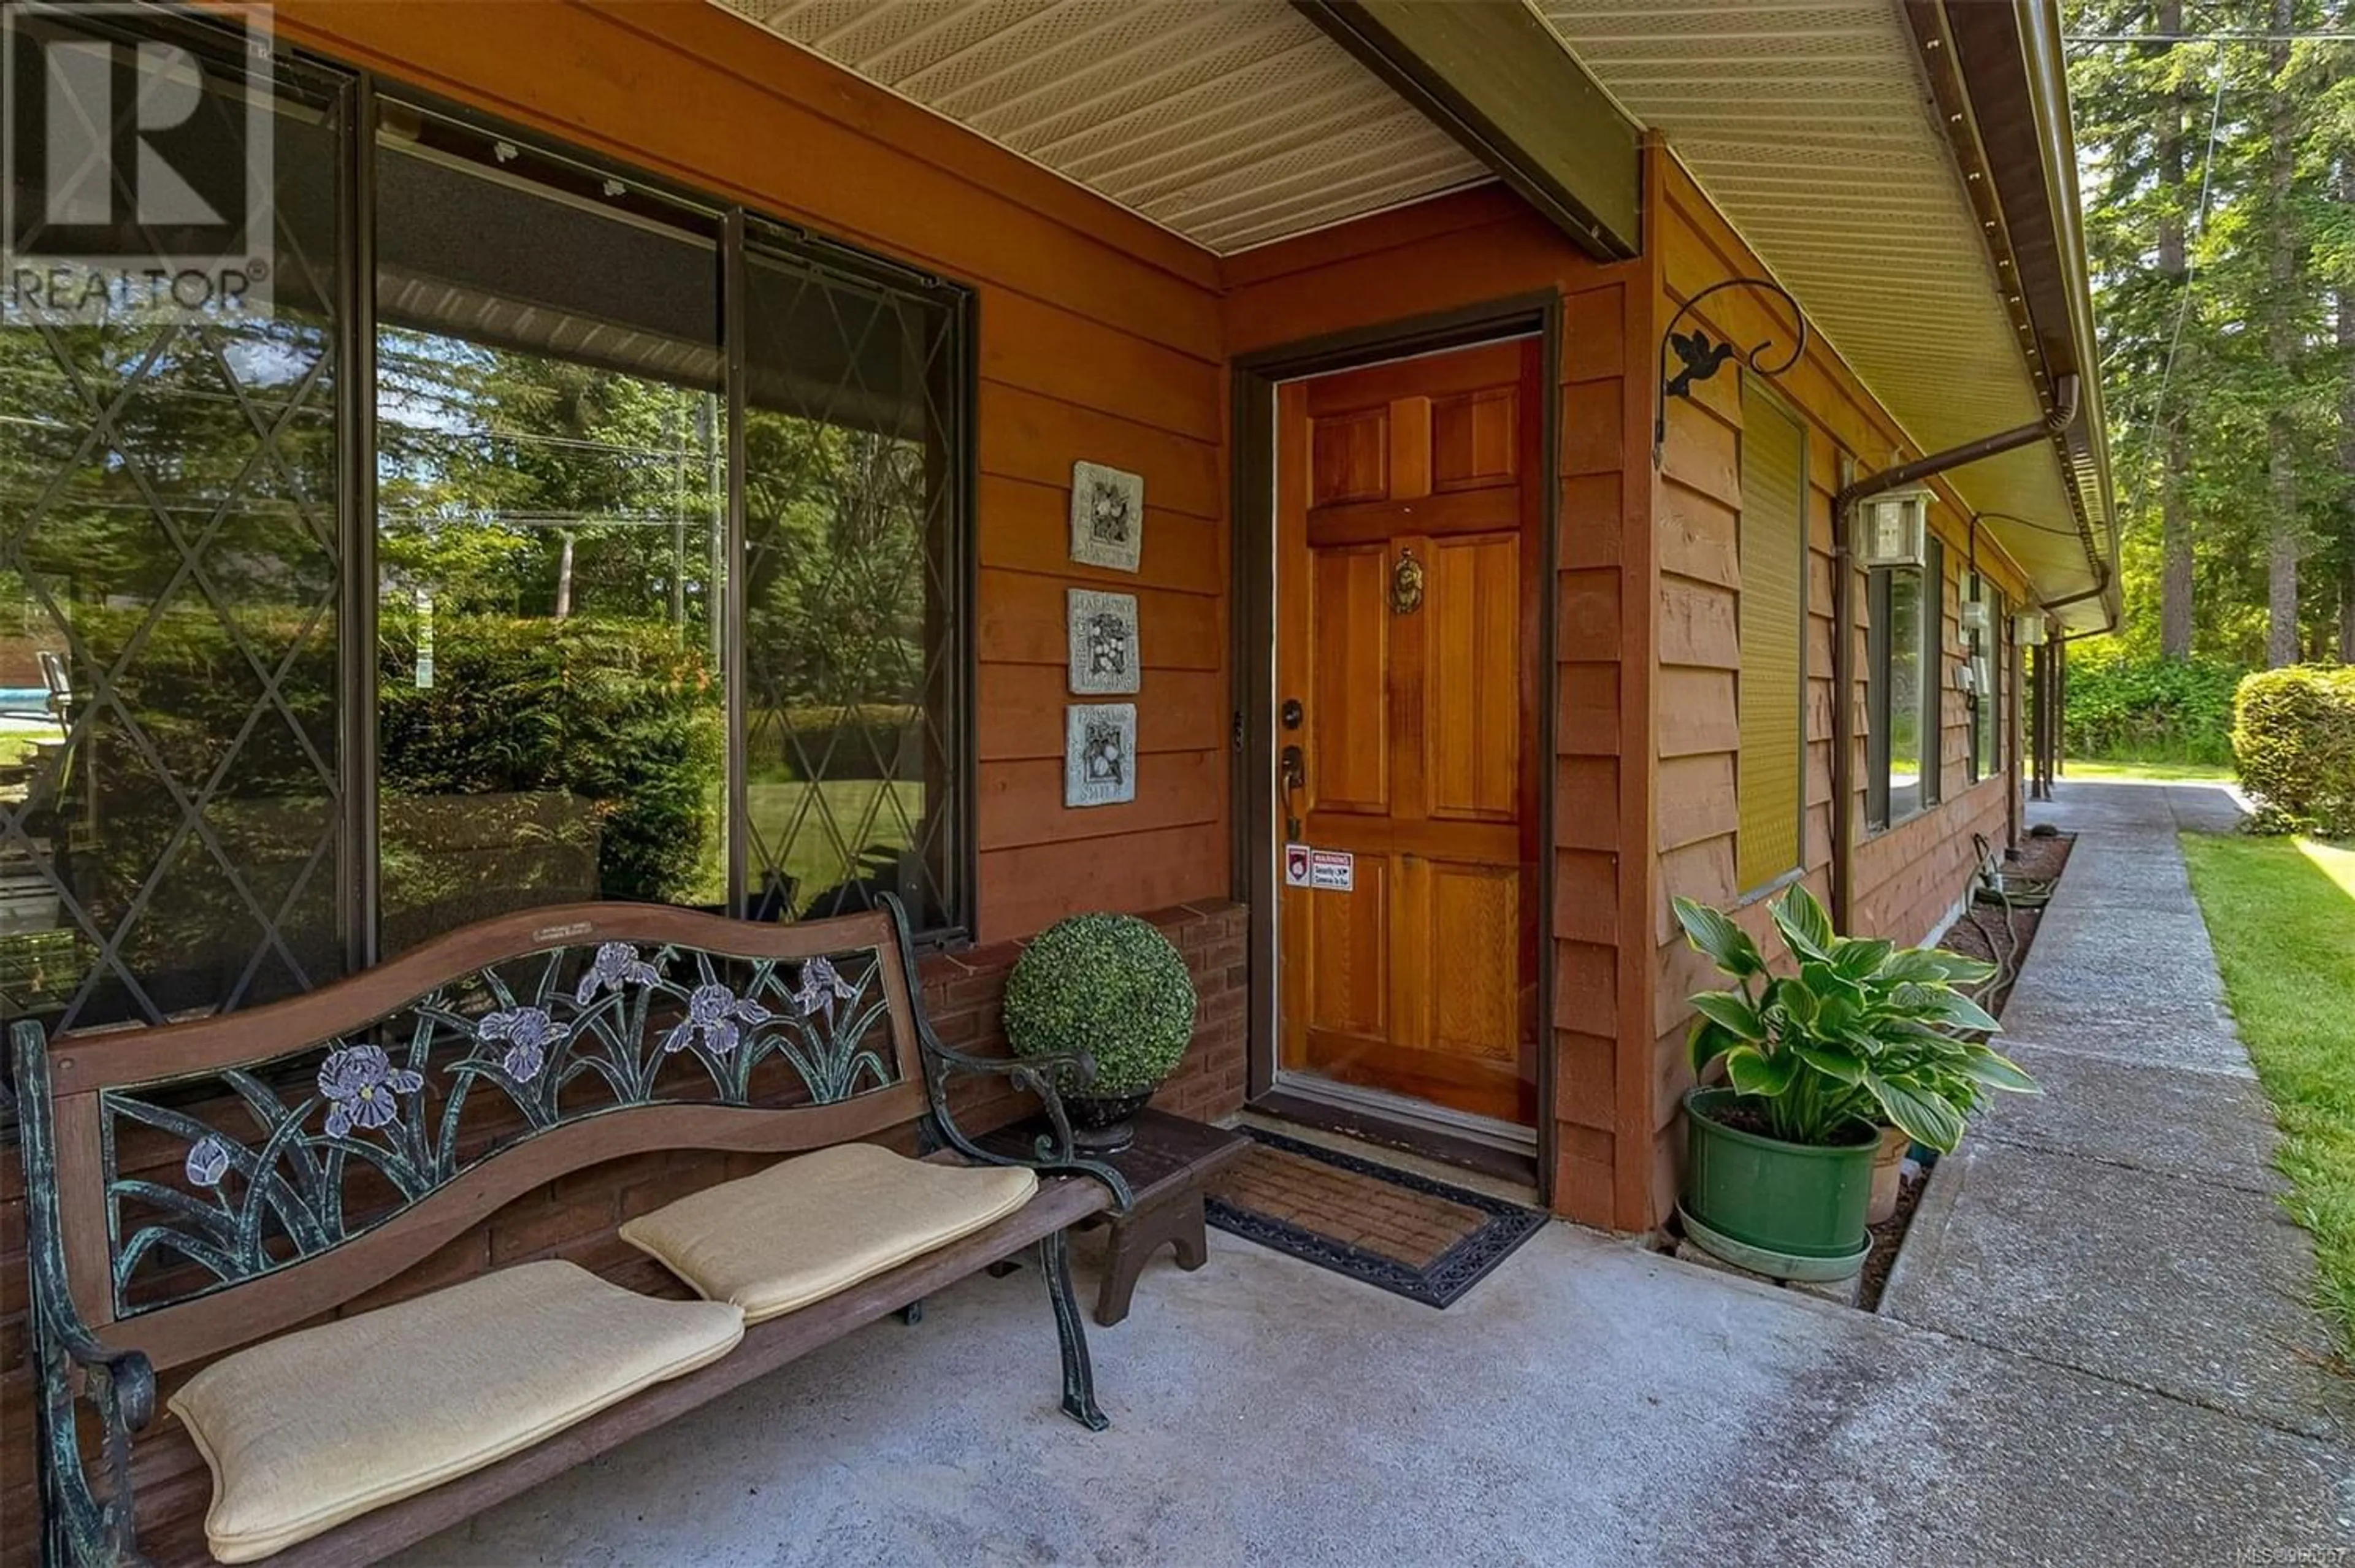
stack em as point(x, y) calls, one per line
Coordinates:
point(870, 292)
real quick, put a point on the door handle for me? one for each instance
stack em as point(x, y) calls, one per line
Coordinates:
point(1294, 772)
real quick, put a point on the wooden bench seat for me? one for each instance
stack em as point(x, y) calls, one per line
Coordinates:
point(589, 1033)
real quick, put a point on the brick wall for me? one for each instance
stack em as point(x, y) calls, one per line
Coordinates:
point(574, 1217)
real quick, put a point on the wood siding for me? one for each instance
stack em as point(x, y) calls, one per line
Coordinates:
point(1476, 247)
point(1906, 880)
point(1099, 340)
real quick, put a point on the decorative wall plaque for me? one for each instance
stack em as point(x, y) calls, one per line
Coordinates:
point(1107, 517)
point(1104, 640)
point(1099, 753)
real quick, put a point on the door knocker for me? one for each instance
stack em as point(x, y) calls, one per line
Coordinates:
point(1406, 584)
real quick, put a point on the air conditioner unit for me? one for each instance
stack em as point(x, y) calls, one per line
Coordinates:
point(2027, 629)
point(1978, 617)
point(1892, 530)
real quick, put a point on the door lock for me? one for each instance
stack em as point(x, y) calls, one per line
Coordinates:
point(1294, 772)
point(1292, 714)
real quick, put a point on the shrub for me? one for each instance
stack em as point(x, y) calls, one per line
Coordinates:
point(1108, 987)
point(2294, 740)
point(2149, 708)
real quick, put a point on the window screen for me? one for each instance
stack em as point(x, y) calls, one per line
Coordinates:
point(1770, 771)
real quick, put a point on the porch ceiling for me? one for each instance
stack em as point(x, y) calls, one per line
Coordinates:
point(1232, 122)
point(1810, 126)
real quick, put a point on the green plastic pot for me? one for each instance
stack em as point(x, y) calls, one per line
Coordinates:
point(1789, 1210)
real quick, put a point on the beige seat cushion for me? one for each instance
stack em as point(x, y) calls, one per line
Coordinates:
point(802, 1229)
point(308, 1429)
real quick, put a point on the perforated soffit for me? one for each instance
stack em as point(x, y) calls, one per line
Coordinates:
point(1811, 129)
point(1237, 123)
point(1232, 122)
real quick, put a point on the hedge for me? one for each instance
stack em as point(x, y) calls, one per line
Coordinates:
point(2149, 709)
point(2293, 739)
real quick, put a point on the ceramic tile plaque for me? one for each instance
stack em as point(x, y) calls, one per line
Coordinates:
point(1099, 753)
point(1107, 517)
point(1102, 642)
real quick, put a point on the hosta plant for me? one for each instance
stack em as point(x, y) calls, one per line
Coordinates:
point(1863, 1030)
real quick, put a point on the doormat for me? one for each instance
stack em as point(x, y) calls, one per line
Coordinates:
point(1427, 1241)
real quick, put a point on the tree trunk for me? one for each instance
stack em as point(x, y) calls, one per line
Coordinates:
point(2346, 307)
point(564, 577)
point(2175, 519)
point(2281, 345)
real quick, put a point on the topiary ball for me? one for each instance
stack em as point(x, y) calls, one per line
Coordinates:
point(1108, 986)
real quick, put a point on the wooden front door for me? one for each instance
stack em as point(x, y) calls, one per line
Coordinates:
point(1409, 556)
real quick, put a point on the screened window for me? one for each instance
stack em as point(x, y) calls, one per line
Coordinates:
point(172, 787)
point(653, 589)
point(1903, 694)
point(1988, 676)
point(1769, 769)
point(850, 575)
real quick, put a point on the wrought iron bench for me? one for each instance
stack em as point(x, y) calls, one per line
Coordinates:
point(226, 1185)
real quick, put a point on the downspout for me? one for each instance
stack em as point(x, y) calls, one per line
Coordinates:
point(2056, 421)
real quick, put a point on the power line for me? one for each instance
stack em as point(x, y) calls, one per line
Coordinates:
point(2208, 37)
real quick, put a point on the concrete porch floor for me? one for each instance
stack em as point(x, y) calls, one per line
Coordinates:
point(1590, 1402)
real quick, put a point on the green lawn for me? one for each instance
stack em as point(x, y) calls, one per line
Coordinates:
point(2282, 914)
point(2159, 772)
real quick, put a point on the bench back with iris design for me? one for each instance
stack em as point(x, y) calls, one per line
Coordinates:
point(222, 1180)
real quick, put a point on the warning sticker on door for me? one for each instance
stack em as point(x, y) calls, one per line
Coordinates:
point(1335, 870)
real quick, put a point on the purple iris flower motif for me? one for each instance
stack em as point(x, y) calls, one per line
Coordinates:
point(529, 1034)
point(712, 1014)
point(617, 964)
point(207, 1161)
point(360, 1082)
point(822, 987)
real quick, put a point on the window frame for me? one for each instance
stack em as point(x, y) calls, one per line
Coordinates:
point(359, 100)
point(1987, 655)
point(1878, 677)
point(742, 230)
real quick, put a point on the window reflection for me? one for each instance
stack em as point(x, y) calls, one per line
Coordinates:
point(1904, 694)
point(551, 454)
point(169, 785)
point(848, 488)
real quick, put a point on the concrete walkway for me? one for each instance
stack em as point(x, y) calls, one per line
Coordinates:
point(2127, 1223)
point(2099, 1357)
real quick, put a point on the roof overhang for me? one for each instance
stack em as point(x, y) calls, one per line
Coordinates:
point(1500, 81)
point(1904, 168)
point(2013, 81)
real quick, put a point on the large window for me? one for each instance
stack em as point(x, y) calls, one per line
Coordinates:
point(1770, 771)
point(654, 586)
point(1903, 690)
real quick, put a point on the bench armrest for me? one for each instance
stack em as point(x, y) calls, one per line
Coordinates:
point(1052, 1152)
point(68, 1358)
